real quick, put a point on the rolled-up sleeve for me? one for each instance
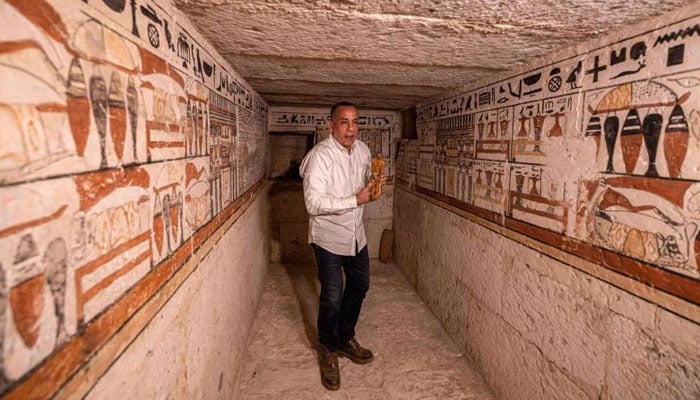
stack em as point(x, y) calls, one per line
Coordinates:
point(315, 169)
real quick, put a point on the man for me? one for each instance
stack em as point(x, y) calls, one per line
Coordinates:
point(335, 176)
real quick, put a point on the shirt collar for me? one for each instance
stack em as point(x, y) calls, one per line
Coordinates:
point(340, 146)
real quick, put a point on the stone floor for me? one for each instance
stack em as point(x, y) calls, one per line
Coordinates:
point(414, 357)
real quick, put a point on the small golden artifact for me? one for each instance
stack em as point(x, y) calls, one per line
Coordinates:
point(377, 174)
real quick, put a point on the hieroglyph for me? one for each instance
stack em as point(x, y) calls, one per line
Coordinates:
point(601, 146)
point(118, 143)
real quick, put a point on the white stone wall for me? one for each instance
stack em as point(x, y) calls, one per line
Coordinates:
point(536, 327)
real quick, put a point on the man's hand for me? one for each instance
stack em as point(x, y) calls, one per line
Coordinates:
point(363, 196)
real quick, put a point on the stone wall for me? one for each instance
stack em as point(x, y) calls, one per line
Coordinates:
point(380, 130)
point(129, 147)
point(550, 218)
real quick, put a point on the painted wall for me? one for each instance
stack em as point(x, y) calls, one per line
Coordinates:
point(128, 144)
point(195, 346)
point(380, 130)
point(585, 167)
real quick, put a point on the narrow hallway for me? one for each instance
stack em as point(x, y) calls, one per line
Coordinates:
point(162, 161)
point(414, 357)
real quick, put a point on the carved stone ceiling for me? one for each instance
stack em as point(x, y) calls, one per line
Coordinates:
point(392, 54)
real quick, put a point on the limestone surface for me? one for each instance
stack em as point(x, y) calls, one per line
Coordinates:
point(414, 357)
point(393, 54)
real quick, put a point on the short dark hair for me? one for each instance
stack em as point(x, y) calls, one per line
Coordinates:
point(341, 104)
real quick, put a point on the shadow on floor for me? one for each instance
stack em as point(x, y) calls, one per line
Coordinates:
point(303, 277)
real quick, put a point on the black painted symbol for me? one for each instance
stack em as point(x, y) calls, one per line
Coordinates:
point(115, 5)
point(208, 68)
point(153, 36)
point(134, 27)
point(554, 83)
point(485, 98)
point(98, 100)
point(502, 97)
point(198, 66)
point(679, 34)
point(168, 35)
point(223, 81)
point(638, 50)
point(610, 127)
point(132, 107)
point(183, 50)
point(618, 57)
point(151, 14)
point(641, 65)
point(596, 68)
point(519, 91)
point(675, 55)
point(573, 76)
point(532, 80)
point(637, 53)
point(652, 133)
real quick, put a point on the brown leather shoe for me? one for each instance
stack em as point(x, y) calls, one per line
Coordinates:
point(355, 352)
point(330, 372)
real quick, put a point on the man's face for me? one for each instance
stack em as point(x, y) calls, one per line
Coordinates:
point(344, 125)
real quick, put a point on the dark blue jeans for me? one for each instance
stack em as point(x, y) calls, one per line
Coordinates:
point(339, 309)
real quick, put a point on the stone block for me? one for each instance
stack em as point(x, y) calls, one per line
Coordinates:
point(575, 340)
point(561, 319)
point(446, 298)
point(469, 251)
point(408, 245)
point(511, 366)
point(642, 366)
point(556, 385)
point(525, 302)
point(630, 306)
point(679, 333)
point(483, 271)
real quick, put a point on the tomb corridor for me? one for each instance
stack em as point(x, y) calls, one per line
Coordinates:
point(538, 236)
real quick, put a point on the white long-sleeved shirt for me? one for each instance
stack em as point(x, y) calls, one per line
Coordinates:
point(332, 178)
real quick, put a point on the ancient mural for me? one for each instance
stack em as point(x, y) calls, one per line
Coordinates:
point(601, 147)
point(120, 140)
point(378, 129)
